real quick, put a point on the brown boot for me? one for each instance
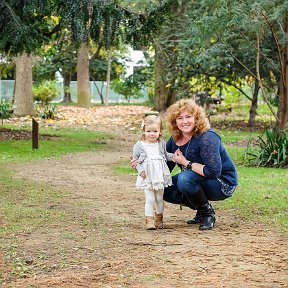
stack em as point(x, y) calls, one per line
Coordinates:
point(150, 223)
point(159, 221)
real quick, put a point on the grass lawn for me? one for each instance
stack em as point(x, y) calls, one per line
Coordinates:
point(62, 141)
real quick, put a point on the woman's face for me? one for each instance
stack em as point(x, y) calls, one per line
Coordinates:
point(185, 122)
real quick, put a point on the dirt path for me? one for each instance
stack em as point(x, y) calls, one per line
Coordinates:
point(104, 244)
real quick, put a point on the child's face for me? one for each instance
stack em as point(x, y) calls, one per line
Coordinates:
point(152, 133)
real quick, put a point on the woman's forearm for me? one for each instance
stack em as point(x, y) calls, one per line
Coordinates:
point(198, 168)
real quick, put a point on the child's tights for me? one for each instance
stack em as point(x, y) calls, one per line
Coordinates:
point(153, 197)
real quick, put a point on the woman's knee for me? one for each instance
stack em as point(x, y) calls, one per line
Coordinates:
point(172, 194)
point(187, 182)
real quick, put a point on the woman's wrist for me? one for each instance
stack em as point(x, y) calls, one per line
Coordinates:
point(185, 163)
point(189, 166)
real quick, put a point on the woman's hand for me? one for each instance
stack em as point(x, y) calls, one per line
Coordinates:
point(179, 158)
point(143, 174)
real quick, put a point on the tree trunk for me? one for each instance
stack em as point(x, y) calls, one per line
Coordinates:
point(283, 96)
point(83, 83)
point(99, 91)
point(166, 58)
point(108, 76)
point(67, 92)
point(165, 94)
point(23, 98)
point(254, 105)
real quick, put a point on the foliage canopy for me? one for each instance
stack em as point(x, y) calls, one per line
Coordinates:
point(26, 25)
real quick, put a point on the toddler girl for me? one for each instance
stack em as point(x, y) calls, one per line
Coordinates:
point(153, 172)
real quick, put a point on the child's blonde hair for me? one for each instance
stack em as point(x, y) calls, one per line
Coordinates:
point(151, 120)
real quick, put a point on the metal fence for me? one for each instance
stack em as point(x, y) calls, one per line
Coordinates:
point(7, 88)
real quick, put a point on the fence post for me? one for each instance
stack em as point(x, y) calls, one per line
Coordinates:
point(35, 134)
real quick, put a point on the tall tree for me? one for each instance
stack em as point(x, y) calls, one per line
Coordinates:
point(111, 23)
point(164, 42)
point(24, 27)
point(166, 57)
point(260, 29)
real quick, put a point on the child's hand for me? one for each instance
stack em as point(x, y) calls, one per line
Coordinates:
point(143, 174)
point(133, 162)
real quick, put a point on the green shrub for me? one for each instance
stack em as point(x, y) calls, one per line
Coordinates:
point(45, 92)
point(272, 149)
point(5, 109)
point(47, 112)
point(128, 87)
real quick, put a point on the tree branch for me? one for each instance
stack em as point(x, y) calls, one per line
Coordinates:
point(276, 40)
point(242, 64)
point(268, 59)
point(259, 76)
point(96, 54)
point(238, 88)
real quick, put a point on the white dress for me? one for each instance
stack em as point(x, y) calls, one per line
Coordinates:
point(157, 172)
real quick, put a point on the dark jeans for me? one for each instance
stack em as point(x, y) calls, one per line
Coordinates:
point(189, 182)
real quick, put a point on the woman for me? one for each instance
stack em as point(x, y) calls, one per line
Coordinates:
point(208, 172)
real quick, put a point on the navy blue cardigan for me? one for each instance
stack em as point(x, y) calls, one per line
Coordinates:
point(207, 149)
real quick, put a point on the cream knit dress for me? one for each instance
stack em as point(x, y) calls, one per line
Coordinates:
point(157, 172)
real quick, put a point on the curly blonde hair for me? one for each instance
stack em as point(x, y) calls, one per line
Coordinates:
point(151, 120)
point(173, 112)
